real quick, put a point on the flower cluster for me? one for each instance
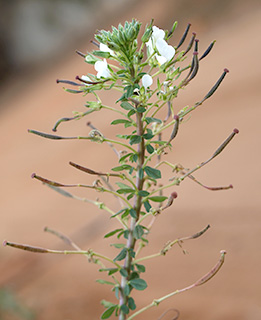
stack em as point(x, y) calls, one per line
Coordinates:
point(157, 47)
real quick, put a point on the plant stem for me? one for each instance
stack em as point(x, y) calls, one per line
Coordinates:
point(137, 207)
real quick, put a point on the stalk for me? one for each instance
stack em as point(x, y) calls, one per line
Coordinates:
point(137, 207)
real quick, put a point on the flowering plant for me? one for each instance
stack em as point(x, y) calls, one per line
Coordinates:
point(145, 71)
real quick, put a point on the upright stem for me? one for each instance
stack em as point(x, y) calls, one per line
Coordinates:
point(137, 207)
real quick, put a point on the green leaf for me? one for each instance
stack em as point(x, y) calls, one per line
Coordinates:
point(135, 139)
point(117, 121)
point(158, 198)
point(134, 157)
point(150, 120)
point(148, 136)
point(138, 232)
point(149, 148)
point(141, 109)
point(117, 245)
point(122, 185)
point(138, 284)
point(127, 106)
point(109, 234)
point(127, 290)
point(102, 54)
point(131, 303)
point(133, 213)
point(124, 272)
point(125, 309)
point(140, 173)
point(110, 270)
point(153, 173)
point(131, 195)
point(143, 193)
point(125, 157)
point(140, 267)
point(105, 282)
point(122, 167)
point(119, 212)
point(125, 190)
point(107, 313)
point(147, 206)
point(121, 255)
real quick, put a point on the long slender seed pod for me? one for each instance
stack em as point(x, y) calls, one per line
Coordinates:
point(184, 36)
point(190, 43)
point(80, 53)
point(72, 83)
point(225, 143)
point(217, 84)
point(209, 48)
point(175, 128)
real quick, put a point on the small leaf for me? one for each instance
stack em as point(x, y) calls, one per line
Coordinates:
point(131, 303)
point(138, 232)
point(153, 173)
point(119, 212)
point(125, 309)
point(107, 313)
point(158, 198)
point(124, 191)
point(117, 245)
point(151, 120)
point(147, 206)
point(117, 121)
point(133, 213)
point(124, 272)
point(105, 282)
point(141, 109)
point(127, 290)
point(138, 284)
point(140, 173)
point(148, 136)
point(135, 139)
point(143, 193)
point(140, 267)
point(149, 148)
point(121, 255)
point(122, 167)
point(109, 234)
point(102, 54)
point(127, 106)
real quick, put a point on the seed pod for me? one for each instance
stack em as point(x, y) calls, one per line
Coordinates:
point(190, 44)
point(217, 84)
point(175, 129)
point(184, 36)
point(209, 48)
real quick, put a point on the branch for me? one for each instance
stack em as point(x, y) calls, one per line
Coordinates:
point(199, 282)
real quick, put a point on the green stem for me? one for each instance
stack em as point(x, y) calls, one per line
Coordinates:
point(137, 207)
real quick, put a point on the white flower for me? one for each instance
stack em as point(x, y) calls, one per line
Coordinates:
point(146, 80)
point(166, 52)
point(105, 48)
point(102, 69)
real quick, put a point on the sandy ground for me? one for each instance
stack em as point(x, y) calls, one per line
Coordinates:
point(63, 287)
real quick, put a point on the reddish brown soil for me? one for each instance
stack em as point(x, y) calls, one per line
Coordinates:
point(63, 287)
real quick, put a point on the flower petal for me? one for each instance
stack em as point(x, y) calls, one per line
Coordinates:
point(146, 80)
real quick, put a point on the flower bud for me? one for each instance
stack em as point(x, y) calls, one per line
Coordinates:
point(146, 80)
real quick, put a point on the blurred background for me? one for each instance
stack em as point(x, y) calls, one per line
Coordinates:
point(38, 40)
